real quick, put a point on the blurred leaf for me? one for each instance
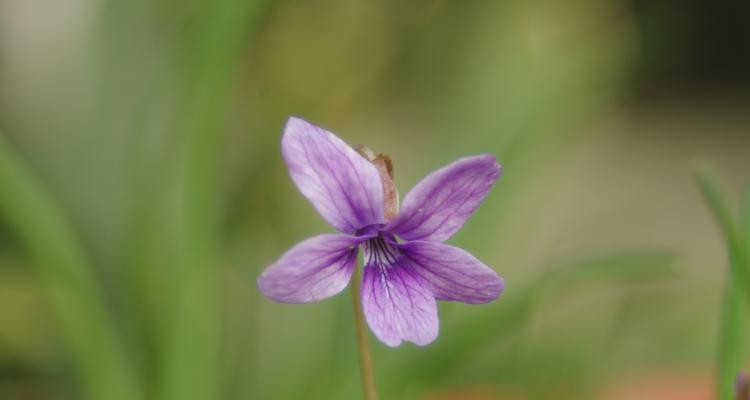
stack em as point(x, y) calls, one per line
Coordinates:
point(40, 225)
point(483, 330)
point(444, 358)
point(705, 178)
point(191, 367)
point(626, 266)
point(733, 337)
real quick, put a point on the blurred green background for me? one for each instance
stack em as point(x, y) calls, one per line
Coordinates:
point(142, 191)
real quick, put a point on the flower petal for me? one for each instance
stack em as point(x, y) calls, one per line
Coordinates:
point(398, 303)
point(313, 270)
point(453, 273)
point(440, 204)
point(344, 187)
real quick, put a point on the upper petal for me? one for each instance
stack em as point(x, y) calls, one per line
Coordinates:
point(343, 186)
point(313, 270)
point(397, 302)
point(453, 273)
point(440, 204)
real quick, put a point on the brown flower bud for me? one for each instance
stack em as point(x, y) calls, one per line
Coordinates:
point(385, 168)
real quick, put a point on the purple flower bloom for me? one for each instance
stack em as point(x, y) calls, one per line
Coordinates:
point(407, 267)
point(742, 386)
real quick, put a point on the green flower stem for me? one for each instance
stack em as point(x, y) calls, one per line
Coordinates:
point(363, 346)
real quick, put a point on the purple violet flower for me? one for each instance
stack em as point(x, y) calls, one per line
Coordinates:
point(407, 267)
point(742, 386)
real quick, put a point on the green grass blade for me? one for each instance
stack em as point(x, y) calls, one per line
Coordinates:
point(191, 368)
point(732, 340)
point(733, 343)
point(39, 225)
point(706, 179)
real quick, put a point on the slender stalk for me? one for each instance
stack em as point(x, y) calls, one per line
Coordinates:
point(363, 346)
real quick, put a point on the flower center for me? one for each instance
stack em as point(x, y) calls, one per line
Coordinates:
point(380, 251)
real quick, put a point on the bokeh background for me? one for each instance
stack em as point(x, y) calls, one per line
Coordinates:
point(142, 191)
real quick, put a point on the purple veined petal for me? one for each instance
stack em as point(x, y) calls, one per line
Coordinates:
point(440, 204)
point(343, 186)
point(453, 273)
point(312, 270)
point(397, 302)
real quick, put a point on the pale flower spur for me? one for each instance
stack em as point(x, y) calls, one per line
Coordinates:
point(407, 267)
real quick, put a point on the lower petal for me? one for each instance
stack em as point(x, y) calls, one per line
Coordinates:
point(398, 305)
point(313, 270)
point(453, 273)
